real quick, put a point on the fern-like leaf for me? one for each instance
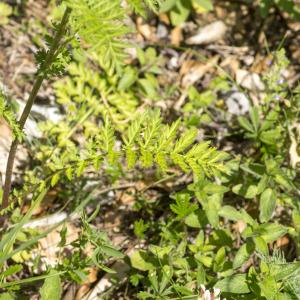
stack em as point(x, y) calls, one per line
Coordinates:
point(100, 24)
point(139, 6)
point(185, 140)
point(107, 141)
point(9, 116)
point(147, 141)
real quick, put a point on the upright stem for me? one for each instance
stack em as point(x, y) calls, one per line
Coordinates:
point(36, 86)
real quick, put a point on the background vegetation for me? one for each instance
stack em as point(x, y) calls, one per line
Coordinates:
point(149, 149)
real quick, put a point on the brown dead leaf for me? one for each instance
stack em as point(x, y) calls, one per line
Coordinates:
point(82, 291)
point(282, 242)
point(192, 70)
point(140, 185)
point(147, 31)
point(186, 65)
point(232, 63)
point(239, 226)
point(164, 18)
point(176, 36)
point(127, 197)
point(221, 13)
point(108, 280)
point(71, 291)
point(92, 277)
point(5, 131)
point(261, 64)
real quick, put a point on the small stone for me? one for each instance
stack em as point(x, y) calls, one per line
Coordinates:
point(237, 103)
point(208, 34)
point(162, 31)
point(248, 80)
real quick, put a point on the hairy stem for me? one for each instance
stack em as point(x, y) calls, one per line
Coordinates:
point(41, 74)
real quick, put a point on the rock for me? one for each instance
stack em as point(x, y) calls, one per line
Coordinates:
point(237, 103)
point(162, 31)
point(248, 80)
point(208, 34)
point(173, 63)
point(147, 31)
point(294, 156)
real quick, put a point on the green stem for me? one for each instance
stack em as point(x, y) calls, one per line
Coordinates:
point(41, 74)
point(29, 280)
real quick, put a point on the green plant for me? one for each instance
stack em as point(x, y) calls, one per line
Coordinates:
point(214, 230)
point(146, 140)
point(93, 20)
point(100, 25)
point(8, 114)
point(198, 245)
point(179, 10)
point(6, 11)
point(288, 6)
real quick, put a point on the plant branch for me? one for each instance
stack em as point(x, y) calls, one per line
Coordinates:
point(41, 75)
